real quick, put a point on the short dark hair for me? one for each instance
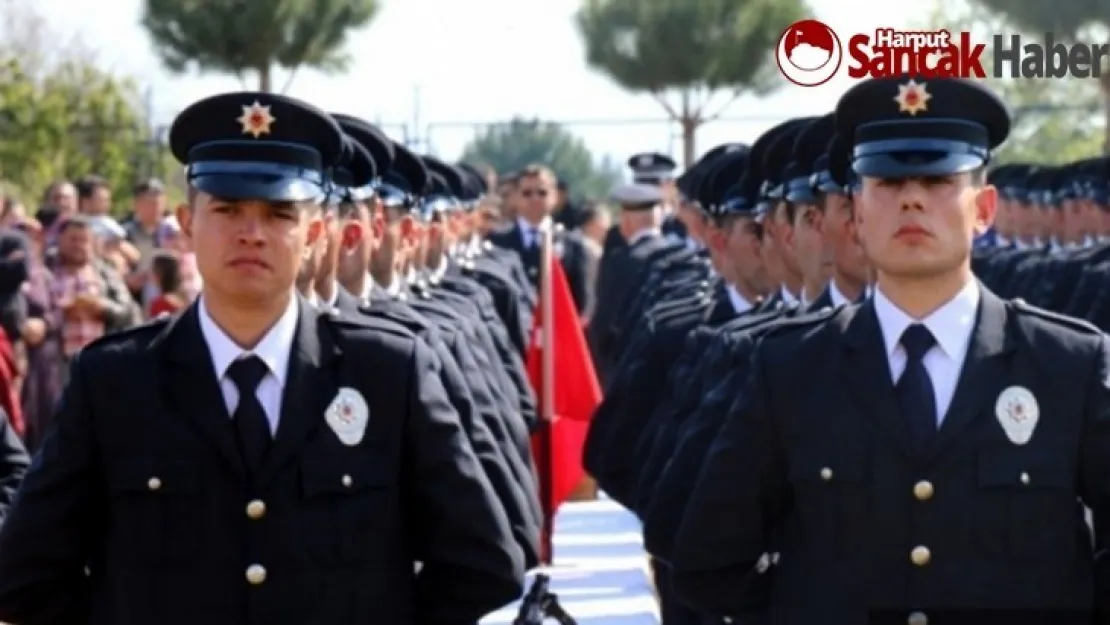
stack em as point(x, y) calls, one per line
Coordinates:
point(80, 222)
point(150, 185)
point(88, 185)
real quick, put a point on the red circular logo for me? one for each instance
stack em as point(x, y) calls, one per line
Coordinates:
point(809, 53)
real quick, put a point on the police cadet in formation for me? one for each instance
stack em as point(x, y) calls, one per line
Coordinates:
point(536, 186)
point(930, 471)
point(255, 459)
point(498, 449)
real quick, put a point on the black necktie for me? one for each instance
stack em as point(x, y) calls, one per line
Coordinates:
point(915, 389)
point(251, 425)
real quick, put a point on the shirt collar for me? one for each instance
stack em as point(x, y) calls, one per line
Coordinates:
point(787, 297)
point(951, 324)
point(273, 349)
point(836, 295)
point(740, 304)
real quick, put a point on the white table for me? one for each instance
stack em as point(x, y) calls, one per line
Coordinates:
point(601, 574)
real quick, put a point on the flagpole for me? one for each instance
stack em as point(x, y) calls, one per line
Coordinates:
point(547, 390)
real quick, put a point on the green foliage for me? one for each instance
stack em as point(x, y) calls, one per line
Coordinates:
point(63, 117)
point(522, 142)
point(1054, 120)
point(654, 45)
point(240, 36)
point(691, 48)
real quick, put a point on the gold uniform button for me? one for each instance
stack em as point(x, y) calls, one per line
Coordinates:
point(256, 574)
point(154, 483)
point(346, 480)
point(923, 490)
point(920, 555)
point(826, 474)
point(917, 618)
point(256, 509)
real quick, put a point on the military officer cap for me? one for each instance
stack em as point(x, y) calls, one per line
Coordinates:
point(1012, 181)
point(636, 196)
point(901, 127)
point(740, 199)
point(809, 145)
point(405, 181)
point(778, 156)
point(758, 162)
point(251, 145)
point(651, 167)
point(842, 177)
point(729, 169)
point(478, 180)
point(368, 136)
point(352, 175)
point(690, 180)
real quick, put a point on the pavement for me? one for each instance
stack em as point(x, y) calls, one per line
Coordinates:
point(600, 572)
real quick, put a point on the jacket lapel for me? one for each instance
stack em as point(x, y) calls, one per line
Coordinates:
point(985, 370)
point(190, 387)
point(309, 387)
point(865, 369)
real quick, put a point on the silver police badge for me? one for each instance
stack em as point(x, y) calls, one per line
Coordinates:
point(1017, 413)
point(348, 416)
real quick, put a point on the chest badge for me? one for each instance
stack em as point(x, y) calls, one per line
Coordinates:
point(347, 416)
point(1018, 413)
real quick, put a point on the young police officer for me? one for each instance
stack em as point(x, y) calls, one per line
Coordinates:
point(929, 469)
point(255, 460)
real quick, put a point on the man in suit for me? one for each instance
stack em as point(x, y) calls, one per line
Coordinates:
point(932, 468)
point(535, 191)
point(253, 460)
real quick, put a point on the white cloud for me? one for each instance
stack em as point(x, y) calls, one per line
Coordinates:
point(805, 56)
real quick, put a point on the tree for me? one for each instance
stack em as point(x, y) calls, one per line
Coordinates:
point(522, 142)
point(689, 50)
point(1052, 118)
point(62, 116)
point(240, 36)
point(1071, 21)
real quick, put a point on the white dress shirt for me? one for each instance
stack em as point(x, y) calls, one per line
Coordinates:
point(951, 325)
point(529, 233)
point(740, 304)
point(273, 349)
point(787, 297)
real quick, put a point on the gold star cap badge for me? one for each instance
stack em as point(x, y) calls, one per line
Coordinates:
point(912, 98)
point(256, 120)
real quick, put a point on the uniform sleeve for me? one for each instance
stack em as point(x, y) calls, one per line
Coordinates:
point(46, 541)
point(1095, 472)
point(736, 504)
point(494, 465)
point(471, 564)
point(13, 463)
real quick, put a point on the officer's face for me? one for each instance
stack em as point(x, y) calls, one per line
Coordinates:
point(840, 237)
point(249, 251)
point(809, 243)
point(922, 227)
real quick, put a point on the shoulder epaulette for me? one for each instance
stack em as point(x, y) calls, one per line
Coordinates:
point(786, 324)
point(1024, 307)
point(151, 327)
point(366, 322)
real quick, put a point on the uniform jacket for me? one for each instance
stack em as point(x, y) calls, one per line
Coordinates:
point(982, 528)
point(136, 511)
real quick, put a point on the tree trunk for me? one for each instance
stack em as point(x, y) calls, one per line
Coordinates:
point(689, 139)
point(265, 79)
point(1104, 84)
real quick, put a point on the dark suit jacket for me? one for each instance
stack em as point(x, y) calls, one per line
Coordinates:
point(573, 255)
point(140, 480)
point(827, 479)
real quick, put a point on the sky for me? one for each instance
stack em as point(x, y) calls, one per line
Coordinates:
point(431, 72)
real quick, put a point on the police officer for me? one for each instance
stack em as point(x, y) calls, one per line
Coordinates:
point(933, 466)
point(252, 460)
